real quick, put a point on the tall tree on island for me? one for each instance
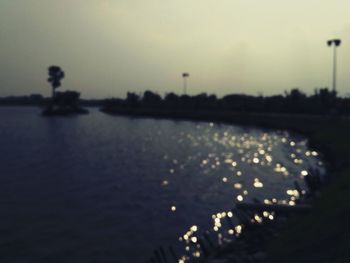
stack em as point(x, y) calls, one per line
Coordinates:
point(56, 74)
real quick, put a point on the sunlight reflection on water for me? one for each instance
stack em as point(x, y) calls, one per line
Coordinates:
point(253, 164)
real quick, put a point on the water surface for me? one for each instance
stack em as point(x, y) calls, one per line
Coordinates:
point(100, 188)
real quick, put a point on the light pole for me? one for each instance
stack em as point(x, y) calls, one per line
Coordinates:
point(336, 43)
point(185, 76)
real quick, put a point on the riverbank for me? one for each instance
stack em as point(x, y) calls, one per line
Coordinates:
point(324, 234)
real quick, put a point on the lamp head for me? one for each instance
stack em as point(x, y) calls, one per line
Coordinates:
point(337, 42)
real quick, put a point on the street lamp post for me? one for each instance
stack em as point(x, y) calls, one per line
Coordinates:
point(185, 76)
point(336, 43)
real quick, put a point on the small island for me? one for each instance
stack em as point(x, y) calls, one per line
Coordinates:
point(61, 103)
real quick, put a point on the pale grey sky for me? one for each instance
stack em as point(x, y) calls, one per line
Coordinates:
point(110, 47)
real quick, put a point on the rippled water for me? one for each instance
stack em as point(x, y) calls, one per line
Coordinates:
point(98, 188)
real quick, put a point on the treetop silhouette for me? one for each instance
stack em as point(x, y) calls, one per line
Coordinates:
point(56, 74)
point(62, 103)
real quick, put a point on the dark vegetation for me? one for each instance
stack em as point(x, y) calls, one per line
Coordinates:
point(321, 102)
point(64, 103)
point(61, 103)
point(31, 100)
point(56, 74)
point(40, 100)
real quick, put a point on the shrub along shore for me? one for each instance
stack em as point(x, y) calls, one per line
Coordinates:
point(324, 234)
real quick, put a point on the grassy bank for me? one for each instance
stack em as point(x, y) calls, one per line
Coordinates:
point(324, 234)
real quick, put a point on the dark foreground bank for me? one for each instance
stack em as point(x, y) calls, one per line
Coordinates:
point(324, 234)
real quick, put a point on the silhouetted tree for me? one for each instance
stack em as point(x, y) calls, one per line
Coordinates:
point(274, 103)
point(323, 100)
point(294, 101)
point(203, 101)
point(236, 102)
point(132, 99)
point(171, 101)
point(56, 74)
point(296, 95)
point(67, 99)
point(151, 99)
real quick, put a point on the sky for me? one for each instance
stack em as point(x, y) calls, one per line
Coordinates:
point(108, 48)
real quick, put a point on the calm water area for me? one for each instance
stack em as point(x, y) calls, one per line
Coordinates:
point(100, 188)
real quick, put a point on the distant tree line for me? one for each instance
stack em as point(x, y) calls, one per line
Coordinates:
point(34, 99)
point(323, 101)
point(39, 100)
